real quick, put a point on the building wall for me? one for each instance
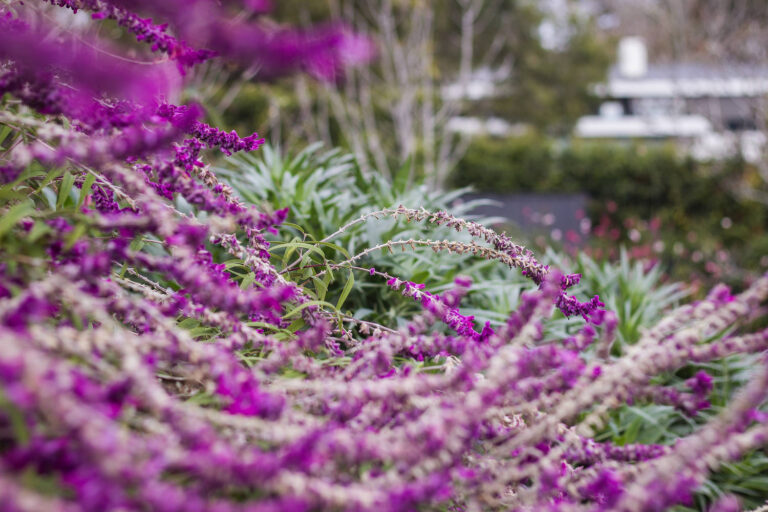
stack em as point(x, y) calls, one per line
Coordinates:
point(725, 114)
point(731, 114)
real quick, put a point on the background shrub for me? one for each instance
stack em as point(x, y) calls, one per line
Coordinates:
point(649, 188)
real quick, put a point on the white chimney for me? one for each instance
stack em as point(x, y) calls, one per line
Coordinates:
point(633, 57)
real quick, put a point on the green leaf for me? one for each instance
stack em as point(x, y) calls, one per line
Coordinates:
point(201, 331)
point(189, 323)
point(294, 226)
point(328, 273)
point(268, 326)
point(345, 292)
point(290, 246)
point(307, 304)
point(320, 286)
point(4, 133)
point(8, 193)
point(76, 233)
point(12, 216)
point(48, 179)
point(247, 280)
point(230, 264)
point(203, 398)
point(64, 188)
point(50, 197)
point(631, 433)
point(290, 251)
point(86, 189)
point(38, 230)
point(296, 325)
point(18, 424)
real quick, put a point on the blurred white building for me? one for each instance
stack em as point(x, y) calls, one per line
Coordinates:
point(712, 111)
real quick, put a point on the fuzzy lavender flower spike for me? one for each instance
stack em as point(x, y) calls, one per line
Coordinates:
point(143, 29)
point(323, 52)
point(81, 65)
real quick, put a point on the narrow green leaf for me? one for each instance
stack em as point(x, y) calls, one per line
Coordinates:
point(295, 245)
point(307, 304)
point(18, 424)
point(229, 264)
point(76, 233)
point(39, 229)
point(290, 251)
point(48, 179)
point(4, 133)
point(321, 287)
point(86, 189)
point(201, 331)
point(294, 226)
point(64, 188)
point(247, 280)
point(7, 193)
point(345, 292)
point(12, 216)
point(269, 327)
point(296, 325)
point(328, 273)
point(188, 323)
point(50, 197)
point(202, 398)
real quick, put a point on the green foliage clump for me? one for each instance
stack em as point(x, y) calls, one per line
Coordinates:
point(327, 189)
point(684, 204)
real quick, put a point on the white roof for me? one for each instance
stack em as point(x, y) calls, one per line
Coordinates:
point(642, 127)
point(686, 88)
point(688, 81)
point(483, 126)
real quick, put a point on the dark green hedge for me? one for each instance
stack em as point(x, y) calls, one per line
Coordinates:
point(644, 181)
